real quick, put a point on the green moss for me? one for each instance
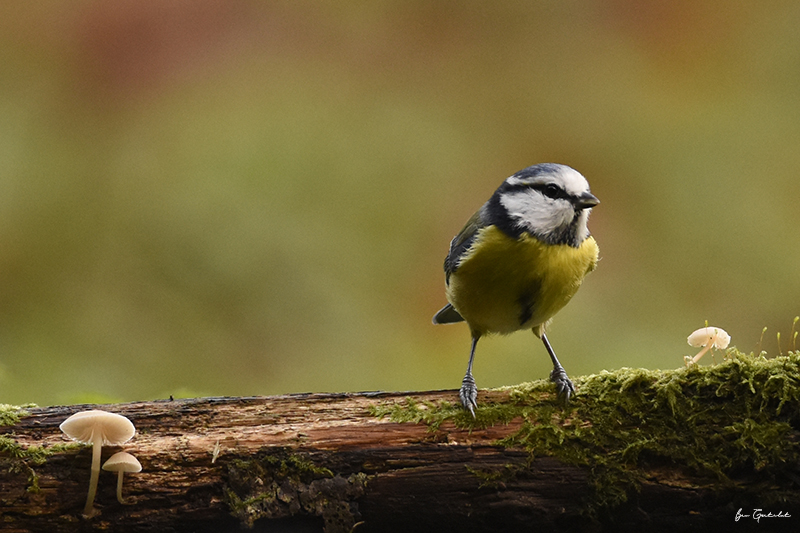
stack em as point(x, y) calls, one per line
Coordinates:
point(17, 459)
point(278, 484)
point(496, 479)
point(427, 413)
point(434, 414)
point(36, 455)
point(719, 422)
point(11, 414)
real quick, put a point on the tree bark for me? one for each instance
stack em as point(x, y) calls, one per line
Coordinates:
point(314, 462)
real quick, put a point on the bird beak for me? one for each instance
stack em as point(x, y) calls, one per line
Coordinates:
point(586, 200)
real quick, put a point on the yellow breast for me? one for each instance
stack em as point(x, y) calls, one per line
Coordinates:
point(505, 284)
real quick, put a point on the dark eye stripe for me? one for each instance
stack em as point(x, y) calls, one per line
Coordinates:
point(551, 190)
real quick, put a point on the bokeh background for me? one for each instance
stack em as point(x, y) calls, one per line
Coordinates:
point(234, 198)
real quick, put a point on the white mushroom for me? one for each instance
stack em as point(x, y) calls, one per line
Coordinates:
point(122, 462)
point(707, 338)
point(98, 428)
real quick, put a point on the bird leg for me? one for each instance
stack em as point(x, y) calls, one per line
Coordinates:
point(469, 391)
point(564, 386)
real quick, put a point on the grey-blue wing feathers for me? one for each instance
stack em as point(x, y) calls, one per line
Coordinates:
point(460, 244)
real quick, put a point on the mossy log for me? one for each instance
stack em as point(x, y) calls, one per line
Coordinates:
point(636, 450)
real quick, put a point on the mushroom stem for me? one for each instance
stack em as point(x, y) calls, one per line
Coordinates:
point(119, 487)
point(122, 462)
point(700, 354)
point(97, 447)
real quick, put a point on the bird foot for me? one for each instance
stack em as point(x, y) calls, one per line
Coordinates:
point(564, 386)
point(469, 394)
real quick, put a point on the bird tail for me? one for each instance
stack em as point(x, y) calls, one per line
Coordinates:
point(447, 315)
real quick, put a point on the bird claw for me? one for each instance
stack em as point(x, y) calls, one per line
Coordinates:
point(564, 386)
point(469, 394)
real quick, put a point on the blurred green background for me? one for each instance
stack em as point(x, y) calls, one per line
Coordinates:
point(237, 198)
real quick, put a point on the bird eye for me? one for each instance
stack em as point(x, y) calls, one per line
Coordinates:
point(552, 191)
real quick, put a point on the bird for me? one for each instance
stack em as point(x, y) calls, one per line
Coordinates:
point(519, 260)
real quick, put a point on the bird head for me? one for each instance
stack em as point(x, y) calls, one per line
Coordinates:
point(549, 201)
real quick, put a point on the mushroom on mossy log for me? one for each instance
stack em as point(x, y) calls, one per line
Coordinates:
point(637, 449)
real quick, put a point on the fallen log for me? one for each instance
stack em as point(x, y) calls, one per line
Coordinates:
point(635, 450)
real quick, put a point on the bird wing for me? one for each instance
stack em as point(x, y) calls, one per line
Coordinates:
point(462, 242)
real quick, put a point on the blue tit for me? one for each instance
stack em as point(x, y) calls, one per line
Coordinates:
point(519, 259)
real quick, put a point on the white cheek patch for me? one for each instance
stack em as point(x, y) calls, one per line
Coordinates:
point(534, 212)
point(583, 229)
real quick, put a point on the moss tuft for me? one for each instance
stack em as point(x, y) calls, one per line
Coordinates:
point(11, 414)
point(718, 421)
point(19, 460)
point(279, 484)
point(428, 413)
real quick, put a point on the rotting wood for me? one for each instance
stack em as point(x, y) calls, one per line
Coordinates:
point(187, 446)
point(314, 461)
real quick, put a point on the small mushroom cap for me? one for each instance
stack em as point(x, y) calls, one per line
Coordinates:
point(703, 336)
point(122, 462)
point(83, 426)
